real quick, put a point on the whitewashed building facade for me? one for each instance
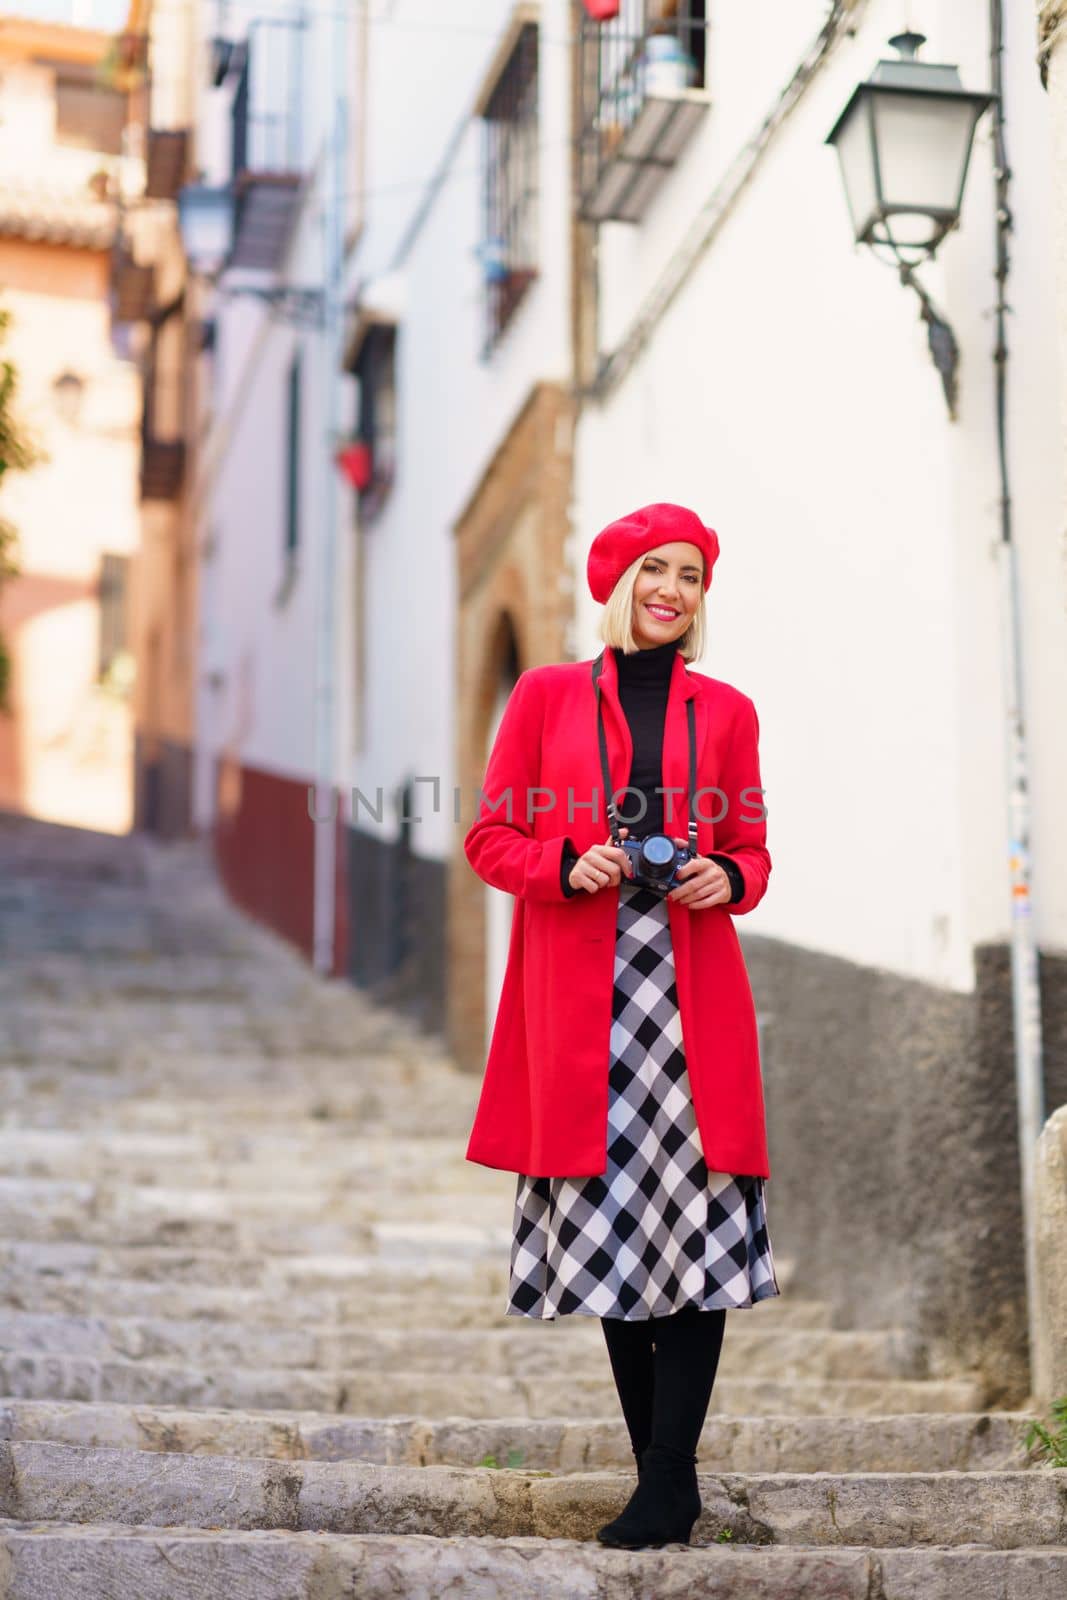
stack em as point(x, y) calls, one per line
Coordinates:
point(535, 341)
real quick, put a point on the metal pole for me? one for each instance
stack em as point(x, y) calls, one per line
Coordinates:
point(326, 632)
point(1025, 985)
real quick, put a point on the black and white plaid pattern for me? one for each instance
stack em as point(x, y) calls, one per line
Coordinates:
point(658, 1231)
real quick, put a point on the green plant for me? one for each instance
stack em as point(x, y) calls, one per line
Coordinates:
point(17, 453)
point(513, 1461)
point(1050, 1448)
point(723, 1536)
point(9, 568)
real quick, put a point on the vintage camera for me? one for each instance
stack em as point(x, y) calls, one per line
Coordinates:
point(656, 861)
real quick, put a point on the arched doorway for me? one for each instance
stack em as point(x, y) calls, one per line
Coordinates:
point(499, 907)
point(515, 611)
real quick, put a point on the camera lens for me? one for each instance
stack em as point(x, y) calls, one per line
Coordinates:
point(657, 856)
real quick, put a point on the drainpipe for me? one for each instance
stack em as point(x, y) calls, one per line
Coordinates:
point(334, 211)
point(1025, 976)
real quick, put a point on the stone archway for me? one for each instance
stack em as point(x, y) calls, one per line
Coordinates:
point(514, 609)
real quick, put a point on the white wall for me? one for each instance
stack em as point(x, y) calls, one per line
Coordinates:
point(789, 395)
point(454, 407)
point(260, 622)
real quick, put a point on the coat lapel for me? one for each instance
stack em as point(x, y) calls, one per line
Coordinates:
point(675, 761)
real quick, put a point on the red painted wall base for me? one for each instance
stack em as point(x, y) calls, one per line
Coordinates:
point(265, 852)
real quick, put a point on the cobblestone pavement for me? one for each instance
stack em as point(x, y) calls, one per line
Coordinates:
point(252, 1338)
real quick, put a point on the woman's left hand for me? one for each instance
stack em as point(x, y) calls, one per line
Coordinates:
point(705, 884)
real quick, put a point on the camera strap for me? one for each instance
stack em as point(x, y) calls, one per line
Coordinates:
point(613, 818)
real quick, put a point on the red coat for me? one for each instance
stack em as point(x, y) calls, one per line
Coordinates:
point(544, 1102)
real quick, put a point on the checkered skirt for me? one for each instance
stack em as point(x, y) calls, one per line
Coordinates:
point(657, 1231)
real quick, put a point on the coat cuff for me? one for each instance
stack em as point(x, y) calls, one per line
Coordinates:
point(545, 879)
point(733, 872)
point(567, 860)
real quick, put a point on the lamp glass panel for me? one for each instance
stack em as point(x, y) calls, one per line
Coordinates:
point(854, 150)
point(923, 146)
point(206, 221)
point(916, 230)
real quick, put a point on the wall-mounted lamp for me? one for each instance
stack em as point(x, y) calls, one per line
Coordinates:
point(904, 143)
point(206, 223)
point(205, 219)
point(68, 392)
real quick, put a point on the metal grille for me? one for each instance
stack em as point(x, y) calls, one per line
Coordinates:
point(509, 245)
point(266, 104)
point(376, 419)
point(652, 48)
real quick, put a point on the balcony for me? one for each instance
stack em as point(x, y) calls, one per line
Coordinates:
point(47, 212)
point(643, 96)
point(267, 145)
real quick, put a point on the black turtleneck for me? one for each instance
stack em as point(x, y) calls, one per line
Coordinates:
point(644, 686)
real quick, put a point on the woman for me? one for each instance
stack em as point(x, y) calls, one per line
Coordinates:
point(623, 1083)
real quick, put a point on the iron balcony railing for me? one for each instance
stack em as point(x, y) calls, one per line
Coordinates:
point(267, 139)
point(643, 92)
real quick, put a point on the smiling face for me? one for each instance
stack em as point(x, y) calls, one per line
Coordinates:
point(667, 591)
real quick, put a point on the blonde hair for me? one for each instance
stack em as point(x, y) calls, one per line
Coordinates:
point(616, 620)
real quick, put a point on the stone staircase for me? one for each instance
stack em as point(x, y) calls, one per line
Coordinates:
point(252, 1339)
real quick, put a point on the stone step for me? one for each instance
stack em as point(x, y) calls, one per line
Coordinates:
point(463, 1258)
point(266, 1234)
point(34, 1098)
point(185, 988)
point(43, 1482)
point(90, 1146)
point(121, 1054)
point(128, 1040)
point(174, 1161)
point(319, 1177)
point(115, 1561)
point(399, 1270)
point(301, 1140)
point(40, 1207)
point(31, 1375)
point(421, 1306)
point(575, 1346)
point(920, 1441)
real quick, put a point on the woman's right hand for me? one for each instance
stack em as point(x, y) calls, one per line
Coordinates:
point(600, 866)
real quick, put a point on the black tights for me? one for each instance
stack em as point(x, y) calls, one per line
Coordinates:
point(664, 1369)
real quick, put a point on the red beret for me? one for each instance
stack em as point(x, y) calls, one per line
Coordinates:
point(620, 543)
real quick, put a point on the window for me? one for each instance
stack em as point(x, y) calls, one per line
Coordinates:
point(643, 79)
point(292, 458)
point(509, 242)
point(88, 114)
point(375, 367)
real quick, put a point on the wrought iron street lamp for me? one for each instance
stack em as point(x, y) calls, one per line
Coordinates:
point(206, 223)
point(904, 143)
point(205, 218)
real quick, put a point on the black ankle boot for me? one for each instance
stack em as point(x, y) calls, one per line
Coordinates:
point(663, 1507)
